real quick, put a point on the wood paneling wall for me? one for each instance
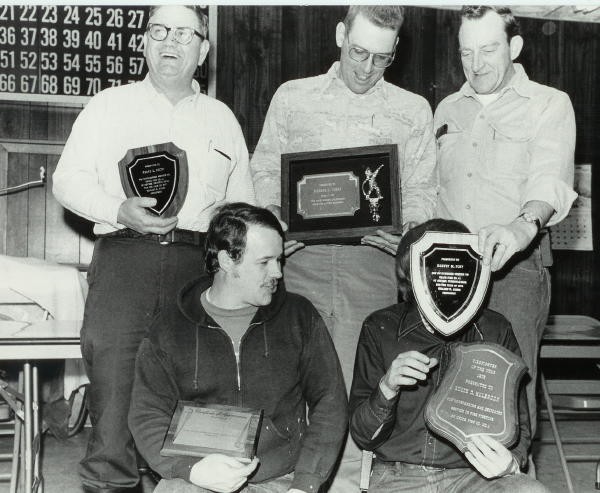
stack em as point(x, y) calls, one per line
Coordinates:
point(261, 47)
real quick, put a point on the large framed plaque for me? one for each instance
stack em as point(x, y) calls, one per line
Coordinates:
point(478, 395)
point(340, 195)
point(448, 278)
point(158, 171)
point(198, 430)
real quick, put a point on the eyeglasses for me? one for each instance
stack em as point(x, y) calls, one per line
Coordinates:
point(183, 35)
point(380, 60)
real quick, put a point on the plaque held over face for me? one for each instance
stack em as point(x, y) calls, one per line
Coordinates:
point(448, 278)
point(340, 195)
point(158, 171)
point(479, 389)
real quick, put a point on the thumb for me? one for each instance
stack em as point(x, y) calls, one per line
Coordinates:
point(248, 468)
point(144, 201)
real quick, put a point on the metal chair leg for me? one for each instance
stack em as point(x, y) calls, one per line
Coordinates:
point(559, 447)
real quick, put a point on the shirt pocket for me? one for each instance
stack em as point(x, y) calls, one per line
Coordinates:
point(509, 152)
point(217, 172)
point(447, 148)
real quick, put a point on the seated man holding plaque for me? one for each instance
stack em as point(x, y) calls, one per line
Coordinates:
point(146, 162)
point(433, 422)
point(237, 338)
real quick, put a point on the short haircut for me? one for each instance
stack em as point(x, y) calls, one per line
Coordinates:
point(411, 236)
point(511, 24)
point(202, 18)
point(386, 16)
point(228, 228)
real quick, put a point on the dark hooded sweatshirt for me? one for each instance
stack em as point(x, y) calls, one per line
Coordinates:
point(286, 362)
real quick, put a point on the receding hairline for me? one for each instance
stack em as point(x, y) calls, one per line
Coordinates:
point(200, 16)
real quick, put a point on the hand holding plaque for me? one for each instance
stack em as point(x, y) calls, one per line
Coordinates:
point(158, 171)
point(478, 393)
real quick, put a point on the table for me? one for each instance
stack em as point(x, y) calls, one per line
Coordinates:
point(47, 339)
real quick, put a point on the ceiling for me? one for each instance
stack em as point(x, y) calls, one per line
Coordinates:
point(578, 13)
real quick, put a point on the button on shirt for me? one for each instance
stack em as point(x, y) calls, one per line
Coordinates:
point(493, 159)
point(319, 113)
point(87, 179)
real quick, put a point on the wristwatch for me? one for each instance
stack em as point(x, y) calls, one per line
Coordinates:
point(530, 218)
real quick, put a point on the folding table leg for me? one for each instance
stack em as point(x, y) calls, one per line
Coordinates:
point(14, 470)
point(559, 447)
point(38, 480)
point(28, 424)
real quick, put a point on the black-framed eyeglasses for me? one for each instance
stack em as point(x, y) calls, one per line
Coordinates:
point(380, 60)
point(183, 35)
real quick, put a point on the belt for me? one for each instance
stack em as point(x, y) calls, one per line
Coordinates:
point(174, 236)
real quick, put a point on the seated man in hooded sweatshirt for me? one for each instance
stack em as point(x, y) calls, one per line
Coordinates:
point(400, 361)
point(238, 338)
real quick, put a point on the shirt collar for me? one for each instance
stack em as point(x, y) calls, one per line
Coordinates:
point(519, 83)
point(152, 91)
point(332, 79)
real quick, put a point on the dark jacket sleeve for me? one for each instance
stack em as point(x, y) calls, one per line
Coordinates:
point(372, 416)
point(153, 400)
point(521, 447)
point(325, 392)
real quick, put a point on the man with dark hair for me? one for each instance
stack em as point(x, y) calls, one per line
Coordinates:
point(349, 106)
point(505, 160)
point(141, 259)
point(400, 360)
point(241, 339)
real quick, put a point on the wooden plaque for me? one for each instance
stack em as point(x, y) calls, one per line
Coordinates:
point(341, 195)
point(201, 429)
point(478, 395)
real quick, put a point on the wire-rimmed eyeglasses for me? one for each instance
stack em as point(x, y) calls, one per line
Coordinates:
point(380, 60)
point(183, 35)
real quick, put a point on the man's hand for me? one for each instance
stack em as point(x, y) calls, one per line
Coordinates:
point(291, 246)
point(382, 240)
point(220, 473)
point(490, 457)
point(499, 243)
point(134, 215)
point(407, 369)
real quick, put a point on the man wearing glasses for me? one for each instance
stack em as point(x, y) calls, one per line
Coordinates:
point(141, 260)
point(349, 106)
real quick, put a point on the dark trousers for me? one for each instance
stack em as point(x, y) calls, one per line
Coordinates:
point(130, 280)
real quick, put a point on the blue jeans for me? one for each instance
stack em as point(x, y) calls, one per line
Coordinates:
point(130, 280)
point(346, 283)
point(522, 295)
point(393, 477)
point(277, 485)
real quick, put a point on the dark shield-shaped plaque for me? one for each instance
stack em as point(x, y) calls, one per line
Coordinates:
point(478, 395)
point(158, 171)
point(448, 278)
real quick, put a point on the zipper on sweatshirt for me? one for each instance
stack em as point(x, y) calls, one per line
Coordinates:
point(237, 356)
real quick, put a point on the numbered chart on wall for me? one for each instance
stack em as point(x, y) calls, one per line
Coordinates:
point(68, 53)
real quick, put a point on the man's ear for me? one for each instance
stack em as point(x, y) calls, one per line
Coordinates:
point(203, 51)
point(226, 263)
point(516, 45)
point(340, 34)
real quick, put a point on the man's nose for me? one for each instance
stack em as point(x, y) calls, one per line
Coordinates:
point(477, 64)
point(277, 271)
point(368, 67)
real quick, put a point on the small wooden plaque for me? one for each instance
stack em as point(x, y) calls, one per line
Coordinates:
point(198, 430)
